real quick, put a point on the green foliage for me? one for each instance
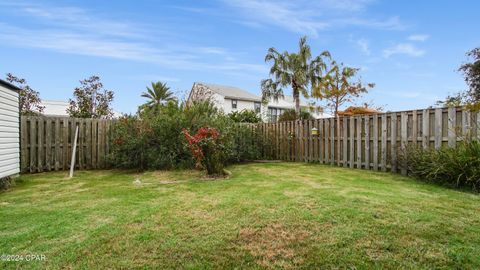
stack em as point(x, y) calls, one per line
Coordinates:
point(455, 167)
point(91, 100)
point(158, 95)
point(245, 116)
point(296, 70)
point(337, 86)
point(155, 141)
point(290, 115)
point(471, 73)
point(29, 99)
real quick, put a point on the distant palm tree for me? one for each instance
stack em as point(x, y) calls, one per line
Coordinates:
point(295, 70)
point(158, 95)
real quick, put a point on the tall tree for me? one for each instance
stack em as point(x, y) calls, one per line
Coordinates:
point(471, 73)
point(295, 70)
point(91, 100)
point(157, 95)
point(339, 86)
point(30, 102)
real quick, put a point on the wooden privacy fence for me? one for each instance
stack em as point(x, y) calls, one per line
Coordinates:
point(46, 143)
point(370, 141)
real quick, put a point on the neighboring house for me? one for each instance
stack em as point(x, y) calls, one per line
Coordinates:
point(9, 130)
point(54, 107)
point(59, 108)
point(229, 99)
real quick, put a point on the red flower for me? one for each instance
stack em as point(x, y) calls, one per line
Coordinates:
point(194, 142)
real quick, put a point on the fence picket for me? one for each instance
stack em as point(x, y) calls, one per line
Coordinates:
point(332, 141)
point(352, 142)
point(345, 142)
point(367, 142)
point(404, 136)
point(40, 138)
point(33, 142)
point(438, 128)
point(375, 142)
point(425, 129)
point(452, 120)
point(359, 142)
point(393, 141)
point(384, 143)
point(414, 127)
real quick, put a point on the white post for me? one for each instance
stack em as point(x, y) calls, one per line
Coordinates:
point(72, 163)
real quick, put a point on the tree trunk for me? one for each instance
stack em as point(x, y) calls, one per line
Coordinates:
point(296, 99)
point(336, 107)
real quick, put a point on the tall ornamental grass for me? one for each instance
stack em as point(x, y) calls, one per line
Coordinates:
point(450, 166)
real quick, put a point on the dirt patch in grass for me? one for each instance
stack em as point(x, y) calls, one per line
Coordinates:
point(274, 246)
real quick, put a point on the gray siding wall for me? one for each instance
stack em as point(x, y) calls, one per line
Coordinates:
point(9, 133)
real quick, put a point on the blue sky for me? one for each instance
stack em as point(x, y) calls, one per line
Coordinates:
point(410, 49)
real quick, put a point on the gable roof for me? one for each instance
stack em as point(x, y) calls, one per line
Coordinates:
point(9, 86)
point(231, 92)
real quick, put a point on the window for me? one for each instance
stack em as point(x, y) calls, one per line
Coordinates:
point(257, 107)
point(274, 113)
point(234, 104)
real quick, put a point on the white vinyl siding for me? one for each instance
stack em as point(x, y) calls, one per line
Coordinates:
point(9, 133)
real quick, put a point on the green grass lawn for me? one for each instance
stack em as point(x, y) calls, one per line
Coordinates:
point(278, 215)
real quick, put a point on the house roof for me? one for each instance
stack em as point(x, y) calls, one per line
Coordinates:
point(9, 86)
point(357, 111)
point(231, 92)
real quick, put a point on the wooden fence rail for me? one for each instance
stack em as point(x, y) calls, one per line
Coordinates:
point(370, 141)
point(46, 143)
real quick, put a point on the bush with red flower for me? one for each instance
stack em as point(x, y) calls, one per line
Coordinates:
point(207, 150)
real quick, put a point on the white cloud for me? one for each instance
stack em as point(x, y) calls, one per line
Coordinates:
point(403, 48)
point(76, 31)
point(418, 37)
point(364, 46)
point(309, 17)
point(283, 14)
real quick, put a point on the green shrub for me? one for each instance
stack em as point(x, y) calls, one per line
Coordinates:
point(245, 116)
point(289, 115)
point(455, 167)
point(155, 140)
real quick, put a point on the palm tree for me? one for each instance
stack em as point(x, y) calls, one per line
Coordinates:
point(295, 70)
point(158, 95)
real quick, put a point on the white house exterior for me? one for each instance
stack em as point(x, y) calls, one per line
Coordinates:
point(229, 99)
point(59, 108)
point(9, 130)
